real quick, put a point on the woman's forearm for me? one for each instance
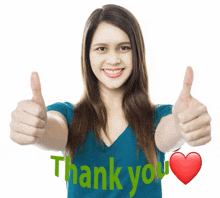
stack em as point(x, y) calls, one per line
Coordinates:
point(168, 136)
point(56, 132)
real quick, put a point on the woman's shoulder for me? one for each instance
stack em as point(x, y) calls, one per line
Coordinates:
point(160, 111)
point(65, 108)
point(60, 106)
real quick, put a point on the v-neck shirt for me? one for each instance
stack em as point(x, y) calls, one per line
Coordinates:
point(120, 157)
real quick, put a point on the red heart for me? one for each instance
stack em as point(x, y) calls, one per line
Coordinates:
point(185, 168)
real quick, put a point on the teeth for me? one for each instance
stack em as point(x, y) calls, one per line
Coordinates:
point(113, 72)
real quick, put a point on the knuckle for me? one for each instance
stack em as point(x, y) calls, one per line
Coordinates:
point(40, 132)
point(39, 111)
point(13, 114)
point(208, 129)
point(15, 125)
point(184, 128)
point(11, 135)
point(192, 143)
point(189, 143)
point(37, 132)
point(11, 125)
point(191, 137)
point(208, 139)
point(21, 103)
point(31, 140)
point(15, 137)
point(38, 123)
point(209, 118)
point(25, 140)
point(20, 142)
point(203, 108)
point(185, 136)
point(17, 116)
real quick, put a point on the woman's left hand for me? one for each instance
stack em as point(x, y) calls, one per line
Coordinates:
point(191, 117)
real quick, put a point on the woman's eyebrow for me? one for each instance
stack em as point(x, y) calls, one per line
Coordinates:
point(99, 44)
point(125, 43)
point(122, 43)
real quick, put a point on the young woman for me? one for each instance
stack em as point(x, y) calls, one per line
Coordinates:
point(114, 126)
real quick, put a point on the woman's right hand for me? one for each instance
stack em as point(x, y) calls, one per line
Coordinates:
point(29, 118)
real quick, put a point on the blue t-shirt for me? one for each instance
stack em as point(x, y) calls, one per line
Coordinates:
point(115, 159)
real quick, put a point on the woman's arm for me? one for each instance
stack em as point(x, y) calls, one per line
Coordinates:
point(32, 124)
point(189, 121)
point(56, 132)
point(191, 126)
point(167, 137)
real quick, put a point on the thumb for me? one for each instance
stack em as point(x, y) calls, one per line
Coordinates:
point(36, 89)
point(187, 83)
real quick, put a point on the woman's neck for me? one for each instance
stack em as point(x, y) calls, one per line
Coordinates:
point(112, 99)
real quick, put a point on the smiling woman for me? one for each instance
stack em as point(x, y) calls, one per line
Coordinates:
point(110, 56)
point(115, 107)
point(114, 124)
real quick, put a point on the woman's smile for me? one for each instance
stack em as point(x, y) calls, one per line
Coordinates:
point(113, 73)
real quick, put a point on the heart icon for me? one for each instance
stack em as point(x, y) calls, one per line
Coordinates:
point(185, 168)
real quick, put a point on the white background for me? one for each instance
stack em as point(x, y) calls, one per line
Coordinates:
point(45, 36)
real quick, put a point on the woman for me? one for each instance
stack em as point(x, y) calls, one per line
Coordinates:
point(114, 126)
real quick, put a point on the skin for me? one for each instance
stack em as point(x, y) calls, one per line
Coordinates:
point(111, 48)
point(188, 123)
point(31, 124)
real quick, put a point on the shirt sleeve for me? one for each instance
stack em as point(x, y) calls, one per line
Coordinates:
point(65, 108)
point(161, 111)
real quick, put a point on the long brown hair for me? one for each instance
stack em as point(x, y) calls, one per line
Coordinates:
point(90, 112)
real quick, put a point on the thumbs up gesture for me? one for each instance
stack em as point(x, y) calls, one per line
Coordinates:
point(29, 118)
point(191, 117)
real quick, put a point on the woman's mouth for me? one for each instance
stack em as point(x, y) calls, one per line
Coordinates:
point(113, 73)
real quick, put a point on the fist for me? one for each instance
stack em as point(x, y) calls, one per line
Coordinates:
point(195, 124)
point(191, 117)
point(28, 120)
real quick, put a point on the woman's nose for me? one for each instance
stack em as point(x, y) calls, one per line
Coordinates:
point(113, 58)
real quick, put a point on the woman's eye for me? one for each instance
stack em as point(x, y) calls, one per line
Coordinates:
point(125, 48)
point(101, 49)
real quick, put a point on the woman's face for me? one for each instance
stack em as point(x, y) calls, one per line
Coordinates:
point(110, 56)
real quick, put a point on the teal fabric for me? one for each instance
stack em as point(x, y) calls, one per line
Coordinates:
point(122, 152)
